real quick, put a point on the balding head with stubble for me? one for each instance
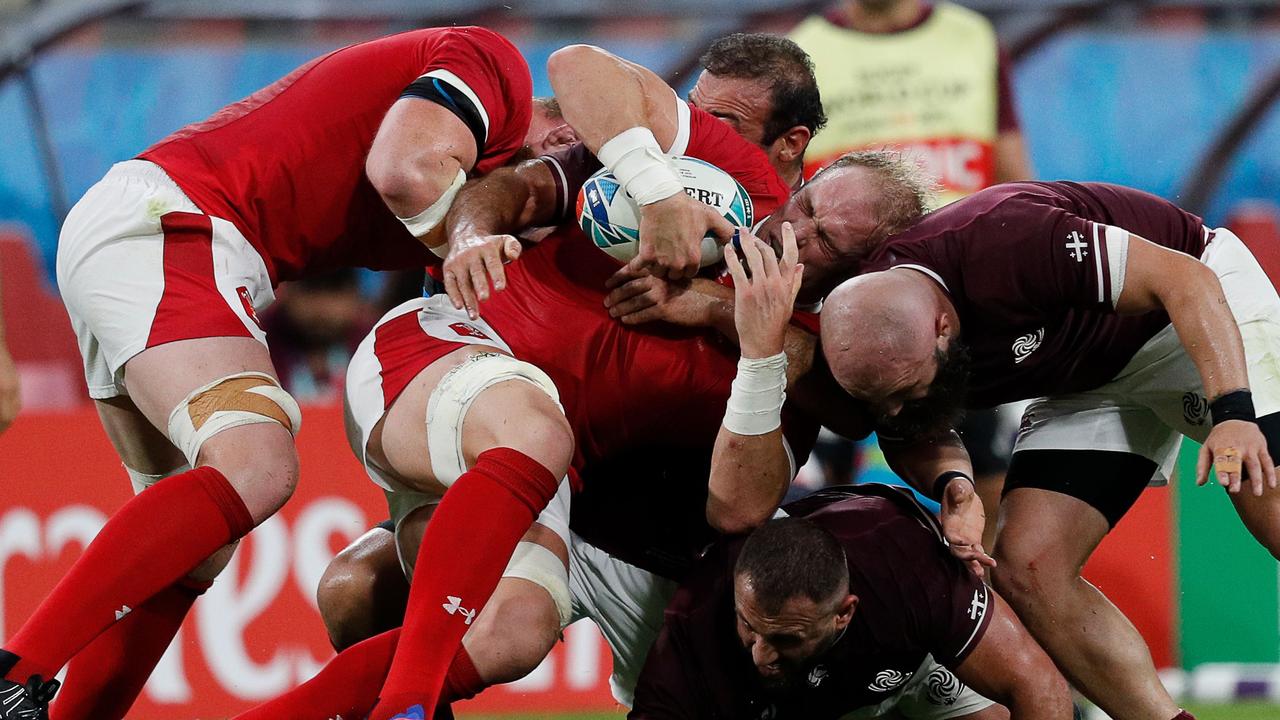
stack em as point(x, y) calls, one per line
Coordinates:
point(891, 340)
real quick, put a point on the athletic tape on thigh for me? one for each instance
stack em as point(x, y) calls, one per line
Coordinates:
point(141, 481)
point(245, 398)
point(453, 396)
point(540, 566)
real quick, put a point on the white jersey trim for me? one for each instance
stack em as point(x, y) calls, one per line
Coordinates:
point(922, 269)
point(681, 142)
point(1117, 259)
point(457, 83)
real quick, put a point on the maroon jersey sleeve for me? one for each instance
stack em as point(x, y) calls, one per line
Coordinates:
point(493, 75)
point(570, 168)
point(664, 690)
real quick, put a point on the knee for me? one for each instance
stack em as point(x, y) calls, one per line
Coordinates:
point(514, 633)
point(547, 438)
point(260, 461)
point(1022, 574)
point(363, 591)
point(541, 431)
point(208, 570)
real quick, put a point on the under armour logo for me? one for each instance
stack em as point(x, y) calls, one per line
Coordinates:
point(978, 607)
point(1027, 344)
point(817, 675)
point(124, 610)
point(455, 606)
point(1077, 246)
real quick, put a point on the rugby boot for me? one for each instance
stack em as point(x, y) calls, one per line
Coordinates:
point(29, 701)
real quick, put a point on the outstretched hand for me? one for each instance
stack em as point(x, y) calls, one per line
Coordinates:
point(1235, 446)
point(475, 263)
point(963, 519)
point(763, 301)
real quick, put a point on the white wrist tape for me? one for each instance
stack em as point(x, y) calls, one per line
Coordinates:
point(426, 221)
point(759, 390)
point(636, 160)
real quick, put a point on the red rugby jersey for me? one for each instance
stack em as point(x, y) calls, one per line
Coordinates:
point(286, 164)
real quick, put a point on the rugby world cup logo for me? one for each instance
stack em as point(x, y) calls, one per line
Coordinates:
point(887, 680)
point(1027, 344)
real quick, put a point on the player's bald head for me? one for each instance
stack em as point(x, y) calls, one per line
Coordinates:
point(886, 337)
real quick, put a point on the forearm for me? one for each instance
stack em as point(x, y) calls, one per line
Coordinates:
point(581, 75)
point(505, 201)
point(1208, 330)
point(922, 460)
point(749, 476)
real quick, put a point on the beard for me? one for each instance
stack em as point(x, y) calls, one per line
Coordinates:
point(943, 407)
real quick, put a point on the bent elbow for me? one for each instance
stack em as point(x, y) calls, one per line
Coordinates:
point(734, 521)
point(571, 59)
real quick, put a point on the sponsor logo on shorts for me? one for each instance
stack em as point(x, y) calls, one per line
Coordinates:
point(247, 301)
point(468, 330)
point(887, 680)
point(1027, 344)
point(1195, 408)
point(942, 687)
point(454, 606)
point(978, 607)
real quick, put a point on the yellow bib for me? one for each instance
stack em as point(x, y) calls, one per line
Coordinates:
point(930, 91)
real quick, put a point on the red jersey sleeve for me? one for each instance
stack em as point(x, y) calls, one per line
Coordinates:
point(703, 136)
point(494, 76)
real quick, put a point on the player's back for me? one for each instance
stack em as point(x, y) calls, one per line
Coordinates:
point(286, 164)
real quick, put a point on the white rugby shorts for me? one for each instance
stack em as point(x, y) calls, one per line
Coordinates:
point(1158, 397)
point(140, 265)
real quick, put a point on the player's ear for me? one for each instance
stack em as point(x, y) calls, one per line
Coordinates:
point(790, 145)
point(945, 329)
point(844, 611)
point(562, 136)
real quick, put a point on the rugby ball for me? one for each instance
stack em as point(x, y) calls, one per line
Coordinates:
point(611, 218)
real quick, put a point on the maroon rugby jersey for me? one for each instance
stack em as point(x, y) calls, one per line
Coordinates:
point(1028, 268)
point(286, 164)
point(914, 599)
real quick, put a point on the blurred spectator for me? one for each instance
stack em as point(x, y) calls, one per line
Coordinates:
point(314, 326)
point(929, 79)
point(10, 397)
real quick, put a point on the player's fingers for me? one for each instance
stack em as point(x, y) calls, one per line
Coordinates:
point(467, 292)
point(717, 225)
point(451, 289)
point(511, 249)
point(1268, 467)
point(479, 280)
point(649, 314)
point(629, 272)
point(1202, 465)
point(790, 251)
point(633, 305)
point(1254, 470)
point(493, 264)
point(736, 271)
point(770, 260)
point(751, 252)
point(626, 292)
point(796, 281)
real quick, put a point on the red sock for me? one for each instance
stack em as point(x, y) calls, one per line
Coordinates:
point(463, 681)
point(468, 541)
point(154, 539)
point(105, 678)
point(346, 687)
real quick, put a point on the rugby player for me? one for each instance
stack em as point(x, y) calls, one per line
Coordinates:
point(620, 388)
point(1135, 325)
point(351, 160)
point(850, 607)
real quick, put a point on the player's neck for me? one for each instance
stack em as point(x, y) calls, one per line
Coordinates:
point(898, 16)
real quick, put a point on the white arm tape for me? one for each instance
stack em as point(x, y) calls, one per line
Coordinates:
point(634, 158)
point(759, 390)
point(426, 221)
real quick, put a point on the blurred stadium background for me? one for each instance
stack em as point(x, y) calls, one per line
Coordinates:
point(1176, 97)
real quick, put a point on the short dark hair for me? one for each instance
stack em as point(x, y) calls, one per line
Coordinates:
point(790, 557)
point(762, 56)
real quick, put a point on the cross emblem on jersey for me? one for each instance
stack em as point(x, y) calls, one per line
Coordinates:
point(979, 605)
point(1077, 246)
